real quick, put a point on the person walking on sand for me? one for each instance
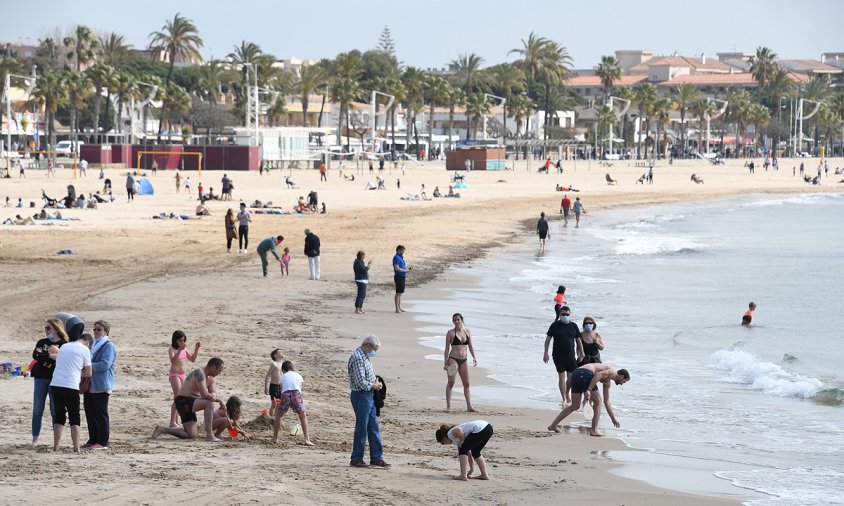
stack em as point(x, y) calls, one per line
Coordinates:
point(542, 230)
point(291, 397)
point(130, 187)
point(585, 386)
point(361, 280)
point(243, 218)
point(198, 393)
point(457, 341)
point(268, 245)
point(469, 438)
point(178, 179)
point(592, 341)
point(312, 252)
point(748, 315)
point(73, 362)
point(567, 350)
point(363, 384)
point(231, 230)
point(565, 207)
point(83, 167)
point(400, 270)
point(578, 210)
point(322, 172)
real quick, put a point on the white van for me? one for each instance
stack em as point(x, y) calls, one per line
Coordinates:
point(65, 147)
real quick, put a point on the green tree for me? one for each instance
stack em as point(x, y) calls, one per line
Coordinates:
point(703, 110)
point(606, 118)
point(413, 80)
point(763, 64)
point(178, 39)
point(818, 89)
point(532, 51)
point(609, 70)
point(310, 79)
point(50, 93)
point(81, 46)
point(246, 56)
point(101, 77)
point(685, 96)
point(645, 97)
point(505, 79)
point(455, 98)
point(437, 90)
point(78, 90)
point(467, 70)
point(738, 104)
point(758, 115)
point(555, 67)
point(386, 44)
point(112, 49)
point(661, 113)
point(344, 90)
point(477, 106)
point(521, 107)
point(125, 89)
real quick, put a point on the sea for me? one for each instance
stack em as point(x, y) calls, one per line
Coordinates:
point(762, 407)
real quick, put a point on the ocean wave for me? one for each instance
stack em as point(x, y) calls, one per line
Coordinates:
point(807, 198)
point(818, 486)
point(830, 397)
point(744, 368)
point(657, 245)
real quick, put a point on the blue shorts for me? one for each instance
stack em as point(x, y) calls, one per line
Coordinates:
point(580, 380)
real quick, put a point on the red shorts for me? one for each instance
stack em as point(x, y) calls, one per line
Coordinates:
point(292, 399)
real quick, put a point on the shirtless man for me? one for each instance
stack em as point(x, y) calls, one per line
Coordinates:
point(584, 382)
point(198, 393)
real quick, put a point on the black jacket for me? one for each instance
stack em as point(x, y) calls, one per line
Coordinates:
point(380, 395)
point(311, 245)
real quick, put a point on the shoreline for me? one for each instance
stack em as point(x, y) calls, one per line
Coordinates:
point(148, 277)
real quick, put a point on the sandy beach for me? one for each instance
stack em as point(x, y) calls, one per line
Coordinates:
point(149, 277)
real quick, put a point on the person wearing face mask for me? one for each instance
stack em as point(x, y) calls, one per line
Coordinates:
point(567, 350)
point(363, 384)
point(593, 343)
point(42, 372)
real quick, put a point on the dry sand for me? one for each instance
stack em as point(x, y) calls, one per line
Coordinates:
point(149, 277)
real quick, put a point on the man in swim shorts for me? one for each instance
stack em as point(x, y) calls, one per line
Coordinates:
point(565, 207)
point(542, 229)
point(748, 315)
point(567, 350)
point(198, 393)
point(584, 385)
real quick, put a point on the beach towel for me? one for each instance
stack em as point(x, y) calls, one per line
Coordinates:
point(65, 252)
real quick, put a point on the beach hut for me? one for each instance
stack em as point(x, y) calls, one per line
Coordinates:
point(146, 187)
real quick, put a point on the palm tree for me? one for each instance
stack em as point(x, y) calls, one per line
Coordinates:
point(703, 110)
point(245, 55)
point(686, 95)
point(414, 85)
point(645, 98)
point(348, 65)
point(531, 51)
point(625, 93)
point(763, 65)
point(819, 89)
point(606, 118)
point(125, 89)
point(504, 79)
point(344, 90)
point(327, 67)
point(178, 38)
point(738, 102)
point(177, 101)
point(758, 115)
point(82, 45)
point(522, 107)
point(554, 69)
point(112, 49)
point(394, 87)
point(78, 90)
point(310, 78)
point(455, 98)
point(477, 107)
point(609, 70)
point(101, 77)
point(51, 93)
point(661, 113)
point(211, 76)
point(49, 49)
point(436, 91)
point(467, 70)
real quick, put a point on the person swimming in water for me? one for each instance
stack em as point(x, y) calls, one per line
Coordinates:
point(748, 315)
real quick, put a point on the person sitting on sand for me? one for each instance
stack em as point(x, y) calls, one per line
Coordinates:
point(748, 315)
point(584, 385)
point(450, 191)
point(92, 201)
point(370, 186)
point(227, 417)
point(22, 221)
point(198, 393)
point(291, 397)
point(437, 193)
point(696, 179)
point(349, 178)
point(202, 210)
point(382, 183)
point(470, 438)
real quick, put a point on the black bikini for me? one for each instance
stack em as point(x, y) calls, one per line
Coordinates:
point(455, 341)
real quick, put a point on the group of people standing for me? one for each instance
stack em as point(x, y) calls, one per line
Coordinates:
point(69, 363)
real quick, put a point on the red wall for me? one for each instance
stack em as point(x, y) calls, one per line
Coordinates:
point(95, 153)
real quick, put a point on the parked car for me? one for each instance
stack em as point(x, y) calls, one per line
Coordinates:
point(66, 147)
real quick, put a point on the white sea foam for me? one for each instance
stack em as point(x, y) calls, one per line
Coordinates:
point(745, 368)
point(818, 486)
point(804, 199)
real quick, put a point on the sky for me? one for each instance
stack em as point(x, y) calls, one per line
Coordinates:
point(431, 33)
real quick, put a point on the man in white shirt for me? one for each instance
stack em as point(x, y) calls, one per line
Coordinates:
point(73, 362)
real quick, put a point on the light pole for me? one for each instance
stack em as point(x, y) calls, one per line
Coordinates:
point(710, 118)
point(622, 112)
point(30, 85)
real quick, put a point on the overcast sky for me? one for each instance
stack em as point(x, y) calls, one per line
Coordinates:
point(431, 33)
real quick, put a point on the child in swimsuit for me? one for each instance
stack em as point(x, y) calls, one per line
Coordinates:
point(291, 398)
point(559, 301)
point(227, 417)
point(178, 367)
point(272, 381)
point(285, 261)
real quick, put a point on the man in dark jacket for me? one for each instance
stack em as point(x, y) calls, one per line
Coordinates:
point(312, 252)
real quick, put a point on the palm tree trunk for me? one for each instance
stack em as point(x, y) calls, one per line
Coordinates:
point(348, 127)
point(322, 108)
point(166, 91)
point(305, 112)
point(97, 104)
point(430, 131)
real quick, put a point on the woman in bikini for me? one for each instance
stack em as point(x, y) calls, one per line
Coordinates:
point(457, 340)
point(593, 343)
point(178, 368)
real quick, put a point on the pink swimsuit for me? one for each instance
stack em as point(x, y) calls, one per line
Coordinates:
point(183, 355)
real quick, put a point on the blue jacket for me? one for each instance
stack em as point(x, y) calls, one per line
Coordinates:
point(102, 367)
